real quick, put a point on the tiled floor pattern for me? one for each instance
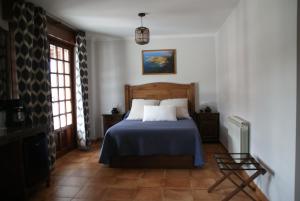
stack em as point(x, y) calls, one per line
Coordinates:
point(79, 177)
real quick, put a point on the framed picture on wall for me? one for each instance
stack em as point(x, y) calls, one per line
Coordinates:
point(159, 61)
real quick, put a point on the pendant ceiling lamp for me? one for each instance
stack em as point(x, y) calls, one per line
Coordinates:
point(142, 34)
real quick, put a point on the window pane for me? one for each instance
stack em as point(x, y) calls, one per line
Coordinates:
point(61, 94)
point(69, 106)
point(59, 53)
point(60, 86)
point(69, 119)
point(67, 68)
point(60, 67)
point(63, 122)
point(62, 107)
point(53, 68)
point(67, 81)
point(68, 93)
point(61, 80)
point(54, 94)
point(56, 123)
point(55, 109)
point(66, 54)
point(53, 80)
point(52, 51)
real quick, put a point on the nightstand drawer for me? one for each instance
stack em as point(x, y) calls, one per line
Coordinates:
point(112, 118)
point(208, 125)
point(109, 124)
point(208, 116)
point(109, 120)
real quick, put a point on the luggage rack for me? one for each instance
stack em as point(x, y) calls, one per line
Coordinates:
point(231, 164)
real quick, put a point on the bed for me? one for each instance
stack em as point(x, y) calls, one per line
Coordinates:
point(154, 144)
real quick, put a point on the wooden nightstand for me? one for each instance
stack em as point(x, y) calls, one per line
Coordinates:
point(208, 125)
point(109, 120)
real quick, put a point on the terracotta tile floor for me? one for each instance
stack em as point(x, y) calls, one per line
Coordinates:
point(79, 177)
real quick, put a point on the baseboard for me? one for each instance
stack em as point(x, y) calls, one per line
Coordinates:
point(258, 192)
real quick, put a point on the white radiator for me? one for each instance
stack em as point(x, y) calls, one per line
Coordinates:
point(238, 135)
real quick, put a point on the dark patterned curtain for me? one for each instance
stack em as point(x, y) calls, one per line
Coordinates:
point(4, 75)
point(32, 63)
point(82, 92)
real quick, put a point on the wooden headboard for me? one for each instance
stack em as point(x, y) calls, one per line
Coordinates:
point(159, 91)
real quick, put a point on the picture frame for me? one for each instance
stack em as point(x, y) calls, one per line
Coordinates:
point(162, 61)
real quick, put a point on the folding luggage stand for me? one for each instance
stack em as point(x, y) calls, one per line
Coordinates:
point(231, 164)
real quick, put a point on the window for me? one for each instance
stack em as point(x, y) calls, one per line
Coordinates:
point(60, 76)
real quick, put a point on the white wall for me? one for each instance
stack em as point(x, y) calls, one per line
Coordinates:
point(106, 60)
point(195, 63)
point(256, 79)
point(297, 176)
point(115, 63)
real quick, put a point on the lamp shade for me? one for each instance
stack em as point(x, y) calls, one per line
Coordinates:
point(142, 35)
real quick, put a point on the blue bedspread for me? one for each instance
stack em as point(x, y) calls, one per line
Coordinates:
point(137, 138)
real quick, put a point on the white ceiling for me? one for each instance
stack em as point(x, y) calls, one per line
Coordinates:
point(119, 17)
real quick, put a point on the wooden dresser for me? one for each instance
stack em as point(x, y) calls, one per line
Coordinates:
point(109, 120)
point(208, 125)
point(24, 162)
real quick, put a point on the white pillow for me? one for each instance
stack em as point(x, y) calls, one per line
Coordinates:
point(137, 108)
point(181, 105)
point(159, 113)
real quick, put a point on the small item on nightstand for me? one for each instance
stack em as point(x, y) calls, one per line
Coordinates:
point(207, 109)
point(115, 111)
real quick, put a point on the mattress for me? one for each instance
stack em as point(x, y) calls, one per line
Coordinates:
point(138, 138)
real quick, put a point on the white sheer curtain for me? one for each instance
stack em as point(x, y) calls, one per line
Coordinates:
point(82, 92)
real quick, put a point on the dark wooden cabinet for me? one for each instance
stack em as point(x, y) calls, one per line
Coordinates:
point(24, 162)
point(109, 120)
point(208, 125)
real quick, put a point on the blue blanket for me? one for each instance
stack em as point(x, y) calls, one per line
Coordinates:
point(137, 138)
